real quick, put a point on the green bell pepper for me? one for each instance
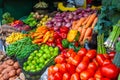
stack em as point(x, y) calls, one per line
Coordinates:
point(65, 43)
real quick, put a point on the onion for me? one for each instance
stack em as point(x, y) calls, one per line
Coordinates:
point(88, 9)
point(68, 25)
point(75, 17)
point(63, 23)
point(59, 20)
point(58, 24)
point(70, 16)
point(56, 28)
point(53, 20)
point(85, 15)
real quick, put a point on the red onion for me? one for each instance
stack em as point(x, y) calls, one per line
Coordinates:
point(68, 25)
point(58, 24)
point(56, 28)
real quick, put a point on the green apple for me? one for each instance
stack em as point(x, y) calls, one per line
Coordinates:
point(41, 51)
point(39, 55)
point(48, 55)
point(33, 62)
point(28, 68)
point(46, 47)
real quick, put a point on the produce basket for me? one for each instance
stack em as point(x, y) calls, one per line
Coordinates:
point(35, 75)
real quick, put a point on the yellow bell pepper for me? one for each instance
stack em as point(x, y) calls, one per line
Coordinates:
point(71, 35)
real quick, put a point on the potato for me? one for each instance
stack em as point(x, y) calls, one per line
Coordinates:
point(1, 68)
point(1, 78)
point(16, 65)
point(5, 71)
point(18, 71)
point(10, 62)
point(9, 68)
point(12, 73)
point(1, 75)
point(5, 76)
point(5, 65)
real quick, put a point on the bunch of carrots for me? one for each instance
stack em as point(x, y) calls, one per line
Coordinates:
point(85, 26)
point(42, 35)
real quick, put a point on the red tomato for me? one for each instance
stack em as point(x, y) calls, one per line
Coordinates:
point(72, 61)
point(105, 79)
point(91, 53)
point(51, 77)
point(59, 59)
point(86, 59)
point(55, 69)
point(92, 66)
point(50, 70)
point(58, 76)
point(62, 67)
point(98, 74)
point(82, 52)
point(78, 58)
point(75, 76)
point(100, 59)
point(107, 61)
point(70, 51)
point(66, 76)
point(81, 67)
point(112, 54)
point(106, 56)
point(73, 54)
point(91, 78)
point(95, 61)
point(70, 68)
point(85, 75)
point(109, 71)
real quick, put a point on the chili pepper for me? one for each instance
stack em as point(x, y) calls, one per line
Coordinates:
point(60, 46)
point(65, 43)
point(64, 29)
point(71, 35)
point(63, 35)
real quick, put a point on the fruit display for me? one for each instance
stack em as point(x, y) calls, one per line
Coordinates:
point(7, 18)
point(21, 48)
point(83, 65)
point(14, 37)
point(44, 20)
point(67, 18)
point(40, 58)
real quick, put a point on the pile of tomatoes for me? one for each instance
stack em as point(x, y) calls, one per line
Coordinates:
point(83, 65)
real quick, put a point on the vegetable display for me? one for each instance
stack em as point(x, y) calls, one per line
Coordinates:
point(38, 59)
point(7, 18)
point(83, 65)
point(21, 48)
point(9, 70)
point(14, 37)
point(66, 18)
point(111, 40)
point(42, 35)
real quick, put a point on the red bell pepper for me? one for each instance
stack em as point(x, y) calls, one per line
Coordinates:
point(64, 29)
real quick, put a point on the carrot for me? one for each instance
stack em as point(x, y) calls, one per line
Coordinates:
point(86, 20)
point(80, 23)
point(80, 29)
point(36, 41)
point(88, 33)
point(94, 23)
point(89, 23)
point(73, 24)
point(82, 34)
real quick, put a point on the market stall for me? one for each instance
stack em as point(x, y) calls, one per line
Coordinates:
point(67, 41)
